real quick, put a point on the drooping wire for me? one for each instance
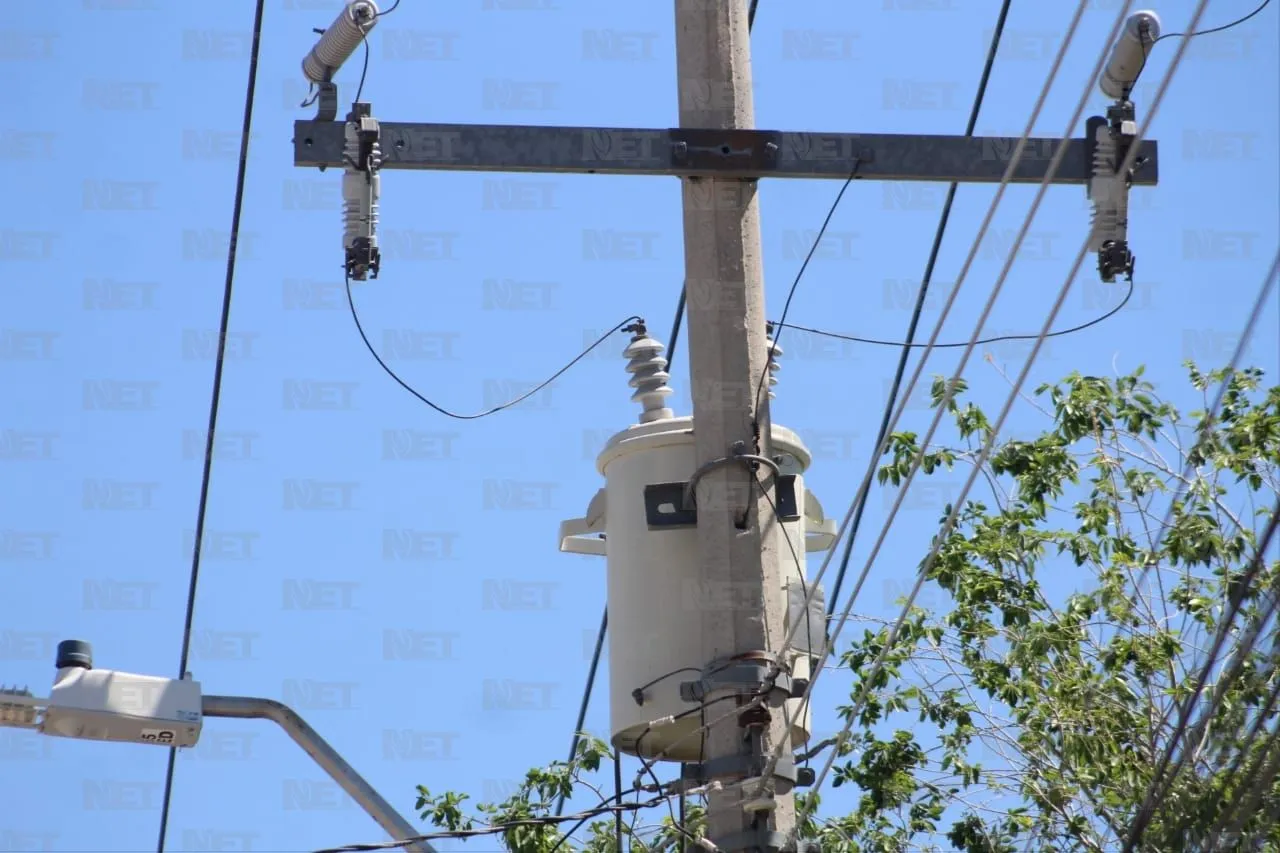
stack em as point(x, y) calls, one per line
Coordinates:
point(224, 321)
point(991, 340)
point(355, 315)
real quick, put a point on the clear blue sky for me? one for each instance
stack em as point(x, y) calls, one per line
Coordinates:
point(124, 302)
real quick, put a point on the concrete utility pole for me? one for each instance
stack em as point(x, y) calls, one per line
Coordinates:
point(720, 159)
point(728, 356)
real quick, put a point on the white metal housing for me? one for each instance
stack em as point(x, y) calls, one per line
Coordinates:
point(100, 704)
point(655, 631)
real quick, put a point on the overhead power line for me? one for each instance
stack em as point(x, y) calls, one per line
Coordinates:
point(988, 444)
point(224, 321)
point(1018, 152)
point(918, 309)
point(1159, 781)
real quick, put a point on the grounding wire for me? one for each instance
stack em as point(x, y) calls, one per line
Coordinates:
point(224, 321)
point(1121, 174)
point(1014, 160)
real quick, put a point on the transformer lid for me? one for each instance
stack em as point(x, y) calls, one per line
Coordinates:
point(676, 431)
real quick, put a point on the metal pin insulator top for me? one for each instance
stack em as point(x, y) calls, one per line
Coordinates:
point(649, 377)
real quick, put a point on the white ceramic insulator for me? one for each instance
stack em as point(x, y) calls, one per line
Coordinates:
point(774, 367)
point(1129, 56)
point(340, 40)
point(360, 192)
point(1108, 193)
point(649, 377)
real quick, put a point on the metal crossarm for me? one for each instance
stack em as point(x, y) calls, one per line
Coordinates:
point(688, 152)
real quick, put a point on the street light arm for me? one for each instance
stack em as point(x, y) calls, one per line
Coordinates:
point(328, 759)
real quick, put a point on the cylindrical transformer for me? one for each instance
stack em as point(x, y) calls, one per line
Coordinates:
point(657, 604)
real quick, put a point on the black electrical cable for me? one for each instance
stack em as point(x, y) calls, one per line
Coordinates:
point(674, 337)
point(586, 700)
point(355, 315)
point(1237, 22)
point(795, 284)
point(920, 300)
point(497, 828)
point(224, 321)
point(364, 71)
point(587, 815)
point(617, 796)
point(995, 339)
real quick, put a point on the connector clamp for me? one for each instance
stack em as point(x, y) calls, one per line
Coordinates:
point(361, 187)
point(1109, 140)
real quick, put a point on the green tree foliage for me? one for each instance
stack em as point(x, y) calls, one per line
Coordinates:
point(1003, 721)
